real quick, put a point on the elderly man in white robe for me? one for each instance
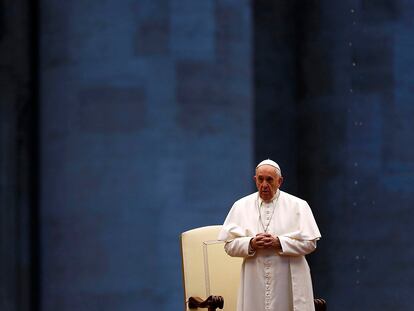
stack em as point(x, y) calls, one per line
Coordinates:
point(273, 231)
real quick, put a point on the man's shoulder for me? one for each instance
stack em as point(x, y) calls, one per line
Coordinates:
point(246, 199)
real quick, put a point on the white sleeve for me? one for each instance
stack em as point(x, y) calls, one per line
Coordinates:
point(239, 247)
point(293, 247)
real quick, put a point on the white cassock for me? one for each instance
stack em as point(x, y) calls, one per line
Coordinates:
point(271, 280)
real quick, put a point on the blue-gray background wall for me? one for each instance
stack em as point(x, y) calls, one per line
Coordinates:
point(125, 123)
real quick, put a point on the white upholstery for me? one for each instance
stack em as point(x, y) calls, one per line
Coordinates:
point(207, 269)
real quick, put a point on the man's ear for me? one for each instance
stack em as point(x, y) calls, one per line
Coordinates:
point(254, 178)
point(280, 181)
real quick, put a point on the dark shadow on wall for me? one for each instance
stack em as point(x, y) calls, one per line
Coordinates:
point(333, 106)
point(274, 75)
point(19, 214)
point(289, 126)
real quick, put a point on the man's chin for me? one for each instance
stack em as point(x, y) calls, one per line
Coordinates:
point(266, 196)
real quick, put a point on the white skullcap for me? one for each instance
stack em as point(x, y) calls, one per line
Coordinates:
point(270, 162)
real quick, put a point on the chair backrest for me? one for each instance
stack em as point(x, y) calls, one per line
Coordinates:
point(207, 269)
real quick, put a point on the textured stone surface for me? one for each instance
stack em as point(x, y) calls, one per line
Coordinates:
point(148, 108)
point(352, 143)
point(109, 109)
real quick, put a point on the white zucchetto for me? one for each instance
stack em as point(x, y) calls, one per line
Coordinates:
point(270, 162)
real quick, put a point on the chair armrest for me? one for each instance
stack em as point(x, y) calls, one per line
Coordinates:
point(212, 303)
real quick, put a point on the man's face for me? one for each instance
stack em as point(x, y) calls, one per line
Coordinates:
point(267, 182)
